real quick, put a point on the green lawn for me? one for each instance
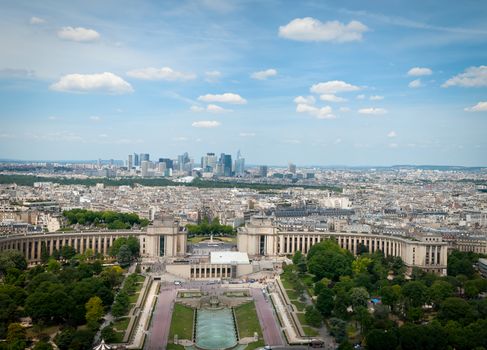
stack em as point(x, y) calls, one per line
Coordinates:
point(118, 337)
point(255, 345)
point(247, 320)
point(301, 318)
point(182, 322)
point(140, 278)
point(121, 324)
point(309, 331)
point(197, 239)
point(299, 305)
point(133, 298)
point(175, 347)
point(292, 294)
point(286, 284)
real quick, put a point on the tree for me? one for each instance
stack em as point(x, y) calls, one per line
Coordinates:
point(42, 345)
point(455, 309)
point(94, 311)
point(329, 263)
point(12, 258)
point(471, 289)
point(390, 295)
point(44, 253)
point(67, 252)
point(461, 263)
point(134, 246)
point(361, 264)
point(297, 257)
point(416, 293)
point(324, 302)
point(97, 267)
point(338, 329)
point(439, 291)
point(15, 333)
point(64, 338)
point(53, 265)
point(112, 276)
point(116, 245)
point(312, 316)
point(121, 304)
point(124, 255)
point(108, 334)
point(378, 339)
point(359, 297)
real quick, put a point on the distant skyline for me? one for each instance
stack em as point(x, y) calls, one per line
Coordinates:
point(311, 82)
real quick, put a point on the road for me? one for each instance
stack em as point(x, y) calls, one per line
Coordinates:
point(161, 321)
point(272, 332)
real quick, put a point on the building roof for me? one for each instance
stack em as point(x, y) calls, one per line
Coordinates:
point(238, 258)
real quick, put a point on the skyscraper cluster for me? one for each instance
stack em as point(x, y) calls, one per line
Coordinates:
point(211, 165)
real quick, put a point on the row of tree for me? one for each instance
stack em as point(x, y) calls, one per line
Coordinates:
point(443, 311)
point(206, 228)
point(29, 180)
point(109, 219)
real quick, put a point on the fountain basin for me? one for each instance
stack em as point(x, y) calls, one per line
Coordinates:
point(215, 329)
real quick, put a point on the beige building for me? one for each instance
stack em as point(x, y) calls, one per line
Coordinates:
point(167, 240)
point(261, 238)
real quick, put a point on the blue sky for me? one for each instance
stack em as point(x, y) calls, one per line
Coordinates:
point(309, 82)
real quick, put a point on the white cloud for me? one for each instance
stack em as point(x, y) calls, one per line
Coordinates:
point(319, 113)
point(180, 138)
point(376, 98)
point(227, 97)
point(337, 141)
point(212, 108)
point(344, 109)
point(212, 76)
point(53, 117)
point(264, 74)
point(102, 135)
point(360, 97)
point(372, 111)
point(479, 107)
point(247, 134)
point(95, 118)
point(164, 73)
point(393, 145)
point(391, 134)
point(307, 100)
point(333, 87)
point(292, 141)
point(472, 77)
point(419, 71)
point(311, 29)
point(7, 136)
point(196, 109)
point(332, 98)
point(415, 84)
point(104, 82)
point(206, 124)
point(37, 20)
point(78, 34)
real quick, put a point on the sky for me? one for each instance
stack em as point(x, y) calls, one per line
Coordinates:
point(308, 82)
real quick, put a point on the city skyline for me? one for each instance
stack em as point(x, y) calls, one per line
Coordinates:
point(357, 84)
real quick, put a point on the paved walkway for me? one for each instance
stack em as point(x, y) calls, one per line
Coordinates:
point(161, 321)
point(270, 328)
point(144, 316)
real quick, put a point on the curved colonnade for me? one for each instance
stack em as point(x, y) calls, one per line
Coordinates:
point(31, 244)
point(258, 240)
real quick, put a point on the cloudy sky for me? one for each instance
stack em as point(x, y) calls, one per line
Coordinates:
point(309, 82)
